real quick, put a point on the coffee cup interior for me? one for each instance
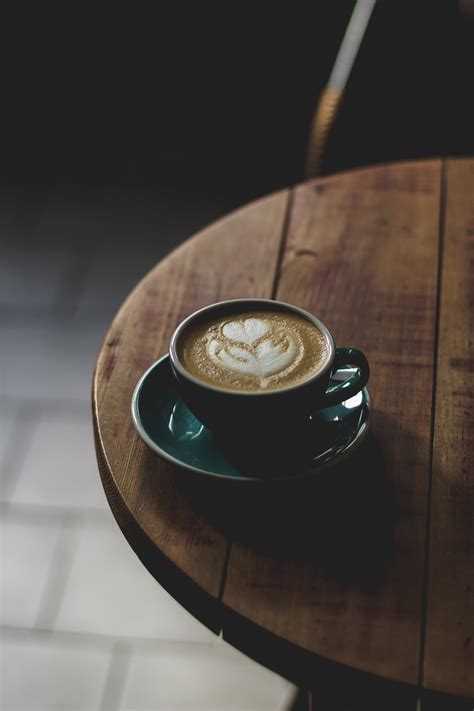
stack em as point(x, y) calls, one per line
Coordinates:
point(253, 370)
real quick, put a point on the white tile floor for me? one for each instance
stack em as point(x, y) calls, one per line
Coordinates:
point(49, 361)
point(8, 421)
point(27, 555)
point(46, 674)
point(50, 476)
point(182, 680)
point(69, 640)
point(46, 275)
point(109, 592)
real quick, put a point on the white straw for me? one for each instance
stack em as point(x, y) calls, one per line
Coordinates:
point(350, 44)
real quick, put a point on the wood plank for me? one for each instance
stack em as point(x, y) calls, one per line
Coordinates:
point(362, 254)
point(449, 642)
point(235, 257)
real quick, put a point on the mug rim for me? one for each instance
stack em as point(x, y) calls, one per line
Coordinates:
point(176, 363)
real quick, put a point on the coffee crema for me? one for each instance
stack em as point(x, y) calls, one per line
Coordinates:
point(253, 351)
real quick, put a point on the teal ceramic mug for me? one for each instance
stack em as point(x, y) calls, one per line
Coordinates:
point(265, 426)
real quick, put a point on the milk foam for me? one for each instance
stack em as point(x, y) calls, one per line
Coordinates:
point(253, 351)
point(255, 347)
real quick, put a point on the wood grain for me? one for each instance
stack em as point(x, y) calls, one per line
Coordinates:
point(362, 253)
point(328, 577)
point(235, 257)
point(449, 645)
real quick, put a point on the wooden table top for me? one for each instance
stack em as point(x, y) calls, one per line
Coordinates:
point(385, 582)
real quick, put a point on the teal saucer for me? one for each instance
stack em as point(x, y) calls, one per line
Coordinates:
point(168, 427)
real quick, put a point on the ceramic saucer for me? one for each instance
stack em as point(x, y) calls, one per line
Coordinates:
point(167, 426)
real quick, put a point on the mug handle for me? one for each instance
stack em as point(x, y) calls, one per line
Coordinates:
point(350, 387)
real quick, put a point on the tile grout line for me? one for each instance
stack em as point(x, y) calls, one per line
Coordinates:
point(39, 513)
point(58, 574)
point(51, 406)
point(116, 677)
point(52, 317)
point(142, 644)
point(26, 422)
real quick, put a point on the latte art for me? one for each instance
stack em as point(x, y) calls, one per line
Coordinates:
point(253, 351)
point(253, 348)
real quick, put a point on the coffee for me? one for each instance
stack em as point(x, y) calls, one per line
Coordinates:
point(253, 351)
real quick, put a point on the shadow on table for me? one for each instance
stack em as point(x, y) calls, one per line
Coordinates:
point(340, 520)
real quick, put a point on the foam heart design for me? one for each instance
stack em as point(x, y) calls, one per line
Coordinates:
point(248, 331)
point(264, 360)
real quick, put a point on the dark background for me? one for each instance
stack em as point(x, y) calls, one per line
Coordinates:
point(199, 96)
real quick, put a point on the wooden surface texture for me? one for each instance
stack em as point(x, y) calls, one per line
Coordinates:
point(369, 568)
point(449, 646)
point(362, 253)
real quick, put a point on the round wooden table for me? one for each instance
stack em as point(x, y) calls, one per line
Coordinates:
point(370, 576)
